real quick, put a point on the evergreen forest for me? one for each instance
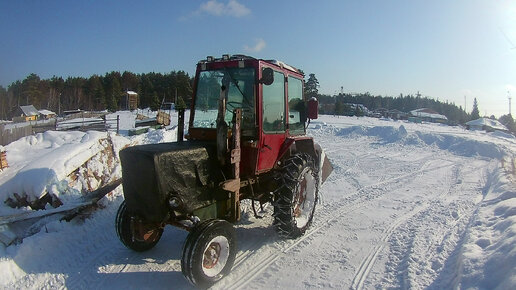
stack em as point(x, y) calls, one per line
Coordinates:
point(106, 92)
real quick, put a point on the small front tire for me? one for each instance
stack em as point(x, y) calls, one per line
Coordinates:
point(209, 252)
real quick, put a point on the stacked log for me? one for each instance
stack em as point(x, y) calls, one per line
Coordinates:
point(3, 160)
point(163, 118)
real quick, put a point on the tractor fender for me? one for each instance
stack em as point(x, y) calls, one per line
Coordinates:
point(307, 145)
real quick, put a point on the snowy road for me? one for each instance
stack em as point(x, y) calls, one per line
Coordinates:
point(397, 212)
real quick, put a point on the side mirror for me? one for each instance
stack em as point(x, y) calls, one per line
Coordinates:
point(267, 76)
point(313, 108)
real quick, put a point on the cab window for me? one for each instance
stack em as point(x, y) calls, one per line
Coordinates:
point(273, 110)
point(296, 106)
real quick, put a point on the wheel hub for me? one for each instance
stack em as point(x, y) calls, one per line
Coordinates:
point(305, 198)
point(301, 197)
point(211, 255)
point(215, 256)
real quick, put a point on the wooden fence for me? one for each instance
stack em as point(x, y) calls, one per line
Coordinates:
point(102, 124)
point(11, 134)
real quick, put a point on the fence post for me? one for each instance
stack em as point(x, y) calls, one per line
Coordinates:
point(117, 124)
point(180, 125)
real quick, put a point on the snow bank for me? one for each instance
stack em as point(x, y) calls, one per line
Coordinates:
point(489, 254)
point(463, 146)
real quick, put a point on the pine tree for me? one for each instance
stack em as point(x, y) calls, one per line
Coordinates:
point(113, 90)
point(180, 104)
point(311, 86)
point(475, 113)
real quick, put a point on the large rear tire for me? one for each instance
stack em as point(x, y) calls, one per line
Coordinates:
point(150, 235)
point(209, 252)
point(296, 196)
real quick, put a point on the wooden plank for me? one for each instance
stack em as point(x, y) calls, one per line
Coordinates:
point(89, 199)
point(231, 185)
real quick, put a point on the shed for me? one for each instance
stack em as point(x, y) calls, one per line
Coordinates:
point(489, 125)
point(130, 101)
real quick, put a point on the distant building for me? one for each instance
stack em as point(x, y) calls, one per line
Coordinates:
point(130, 101)
point(397, 115)
point(357, 108)
point(486, 124)
point(26, 113)
point(429, 115)
point(46, 114)
point(381, 112)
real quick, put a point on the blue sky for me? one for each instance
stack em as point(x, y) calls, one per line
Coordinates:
point(444, 49)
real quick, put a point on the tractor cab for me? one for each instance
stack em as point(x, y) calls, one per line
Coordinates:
point(270, 96)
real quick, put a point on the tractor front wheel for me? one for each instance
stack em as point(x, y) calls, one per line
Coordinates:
point(209, 252)
point(134, 233)
point(296, 196)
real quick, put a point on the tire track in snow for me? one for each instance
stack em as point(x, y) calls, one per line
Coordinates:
point(368, 262)
point(345, 206)
point(434, 235)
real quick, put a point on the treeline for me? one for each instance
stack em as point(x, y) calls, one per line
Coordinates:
point(336, 105)
point(402, 103)
point(94, 93)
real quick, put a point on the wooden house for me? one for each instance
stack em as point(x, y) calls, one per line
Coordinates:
point(26, 113)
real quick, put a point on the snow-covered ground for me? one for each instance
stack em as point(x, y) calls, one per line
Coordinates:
point(407, 206)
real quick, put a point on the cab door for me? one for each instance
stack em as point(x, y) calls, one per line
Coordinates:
point(273, 122)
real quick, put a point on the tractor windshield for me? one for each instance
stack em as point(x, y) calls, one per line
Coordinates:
point(241, 94)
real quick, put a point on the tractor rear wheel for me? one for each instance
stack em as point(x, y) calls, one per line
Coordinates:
point(296, 196)
point(149, 233)
point(209, 252)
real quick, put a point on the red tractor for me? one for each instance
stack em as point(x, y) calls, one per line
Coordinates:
point(246, 140)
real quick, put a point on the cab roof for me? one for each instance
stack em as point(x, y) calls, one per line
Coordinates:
point(236, 57)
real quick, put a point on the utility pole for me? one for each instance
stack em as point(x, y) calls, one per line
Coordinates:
point(509, 97)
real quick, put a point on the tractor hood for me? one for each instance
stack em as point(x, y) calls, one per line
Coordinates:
point(155, 175)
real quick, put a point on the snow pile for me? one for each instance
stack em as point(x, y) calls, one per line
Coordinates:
point(62, 164)
point(462, 146)
point(459, 145)
point(490, 252)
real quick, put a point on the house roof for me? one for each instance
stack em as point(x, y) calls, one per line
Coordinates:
point(29, 110)
point(480, 122)
point(46, 112)
point(427, 113)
